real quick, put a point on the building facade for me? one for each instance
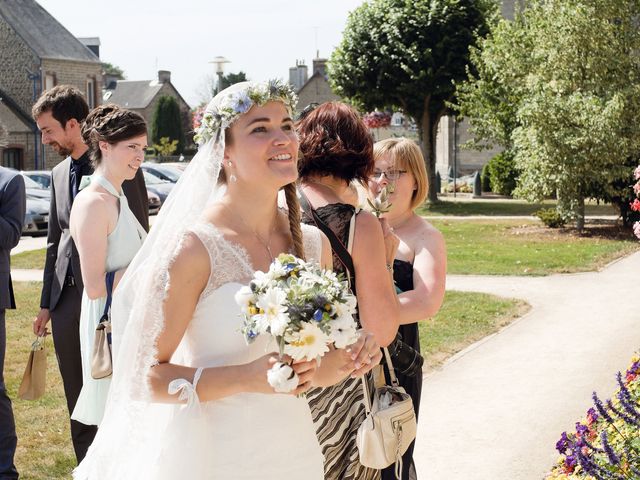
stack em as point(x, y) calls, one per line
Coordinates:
point(37, 53)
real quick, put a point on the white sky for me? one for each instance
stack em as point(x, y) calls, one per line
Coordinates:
point(263, 38)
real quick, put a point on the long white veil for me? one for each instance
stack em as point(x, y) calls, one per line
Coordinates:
point(132, 424)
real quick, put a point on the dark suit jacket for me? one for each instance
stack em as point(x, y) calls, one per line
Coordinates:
point(12, 209)
point(61, 249)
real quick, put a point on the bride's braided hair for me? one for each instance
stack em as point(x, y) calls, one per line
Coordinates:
point(110, 123)
point(293, 205)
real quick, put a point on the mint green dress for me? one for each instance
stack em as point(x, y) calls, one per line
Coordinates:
point(122, 244)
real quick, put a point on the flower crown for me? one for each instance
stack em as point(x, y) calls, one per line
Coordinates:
point(227, 109)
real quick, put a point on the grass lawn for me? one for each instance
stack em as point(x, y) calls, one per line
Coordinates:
point(44, 442)
point(464, 318)
point(500, 207)
point(510, 247)
point(29, 259)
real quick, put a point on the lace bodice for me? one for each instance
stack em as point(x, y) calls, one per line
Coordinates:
point(230, 261)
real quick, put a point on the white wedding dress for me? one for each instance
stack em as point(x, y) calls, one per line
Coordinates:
point(243, 436)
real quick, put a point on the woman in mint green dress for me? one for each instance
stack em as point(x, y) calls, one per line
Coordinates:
point(105, 231)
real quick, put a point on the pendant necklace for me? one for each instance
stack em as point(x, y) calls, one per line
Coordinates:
point(267, 244)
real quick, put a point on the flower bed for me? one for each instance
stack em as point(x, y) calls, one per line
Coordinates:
point(606, 443)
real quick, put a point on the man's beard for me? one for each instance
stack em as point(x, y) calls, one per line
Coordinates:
point(62, 151)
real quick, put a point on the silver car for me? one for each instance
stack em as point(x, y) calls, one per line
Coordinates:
point(36, 218)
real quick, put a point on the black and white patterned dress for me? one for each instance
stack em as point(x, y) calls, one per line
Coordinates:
point(339, 410)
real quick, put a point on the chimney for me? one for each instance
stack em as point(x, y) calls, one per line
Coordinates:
point(298, 75)
point(320, 66)
point(164, 76)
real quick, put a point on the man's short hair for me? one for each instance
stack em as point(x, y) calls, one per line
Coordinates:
point(64, 102)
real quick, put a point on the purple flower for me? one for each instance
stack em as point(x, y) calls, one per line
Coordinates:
point(622, 415)
point(611, 455)
point(601, 410)
point(581, 430)
point(563, 443)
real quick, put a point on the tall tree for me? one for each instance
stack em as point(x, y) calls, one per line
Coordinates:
point(167, 122)
point(560, 86)
point(406, 54)
point(113, 70)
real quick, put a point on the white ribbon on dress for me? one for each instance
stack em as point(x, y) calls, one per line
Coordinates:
point(187, 390)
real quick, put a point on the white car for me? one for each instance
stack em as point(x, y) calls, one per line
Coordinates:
point(36, 218)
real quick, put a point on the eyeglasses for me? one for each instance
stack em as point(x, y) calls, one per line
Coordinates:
point(392, 175)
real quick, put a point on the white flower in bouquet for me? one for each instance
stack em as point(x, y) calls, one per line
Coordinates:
point(344, 332)
point(308, 342)
point(282, 377)
point(303, 306)
point(245, 298)
point(274, 318)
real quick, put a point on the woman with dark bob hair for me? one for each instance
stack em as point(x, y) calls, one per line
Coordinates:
point(336, 149)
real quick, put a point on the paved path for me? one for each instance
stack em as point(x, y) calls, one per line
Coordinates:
point(495, 410)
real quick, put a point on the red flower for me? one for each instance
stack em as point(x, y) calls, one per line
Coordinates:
point(635, 205)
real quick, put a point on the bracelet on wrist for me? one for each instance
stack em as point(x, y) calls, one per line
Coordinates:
point(390, 267)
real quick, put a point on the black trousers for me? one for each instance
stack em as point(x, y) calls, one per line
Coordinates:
point(8, 438)
point(65, 323)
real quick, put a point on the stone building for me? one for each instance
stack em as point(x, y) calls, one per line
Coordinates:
point(452, 134)
point(314, 89)
point(142, 96)
point(37, 53)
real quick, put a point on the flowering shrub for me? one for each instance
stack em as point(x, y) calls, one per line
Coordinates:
point(377, 119)
point(196, 117)
point(635, 205)
point(606, 443)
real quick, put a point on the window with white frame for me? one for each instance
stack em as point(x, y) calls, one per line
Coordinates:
point(49, 80)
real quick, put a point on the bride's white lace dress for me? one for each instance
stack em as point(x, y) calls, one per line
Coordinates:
point(245, 436)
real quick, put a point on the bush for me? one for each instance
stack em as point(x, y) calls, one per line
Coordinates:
point(502, 173)
point(551, 218)
point(606, 443)
point(461, 187)
point(485, 178)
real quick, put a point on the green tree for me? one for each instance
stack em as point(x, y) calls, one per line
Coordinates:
point(167, 122)
point(166, 147)
point(110, 69)
point(560, 88)
point(233, 78)
point(405, 55)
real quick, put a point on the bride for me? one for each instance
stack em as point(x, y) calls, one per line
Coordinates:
point(189, 398)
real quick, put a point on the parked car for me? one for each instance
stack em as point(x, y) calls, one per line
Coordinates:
point(162, 171)
point(36, 218)
point(154, 202)
point(42, 177)
point(33, 188)
point(179, 165)
point(160, 187)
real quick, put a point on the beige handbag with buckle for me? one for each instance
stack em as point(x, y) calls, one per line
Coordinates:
point(101, 361)
point(390, 425)
point(34, 379)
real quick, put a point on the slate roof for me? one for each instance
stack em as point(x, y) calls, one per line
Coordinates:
point(43, 33)
point(134, 93)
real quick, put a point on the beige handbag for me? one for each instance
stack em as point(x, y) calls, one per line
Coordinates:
point(101, 362)
point(34, 379)
point(390, 426)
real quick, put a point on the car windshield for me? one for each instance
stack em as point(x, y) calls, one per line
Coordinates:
point(151, 179)
point(30, 183)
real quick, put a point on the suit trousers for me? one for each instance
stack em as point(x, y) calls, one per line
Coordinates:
point(65, 323)
point(8, 439)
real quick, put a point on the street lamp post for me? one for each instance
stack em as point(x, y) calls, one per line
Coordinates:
point(219, 63)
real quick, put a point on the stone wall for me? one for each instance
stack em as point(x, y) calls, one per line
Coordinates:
point(317, 90)
point(15, 59)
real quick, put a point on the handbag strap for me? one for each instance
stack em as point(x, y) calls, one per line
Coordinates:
point(109, 279)
point(392, 375)
point(341, 251)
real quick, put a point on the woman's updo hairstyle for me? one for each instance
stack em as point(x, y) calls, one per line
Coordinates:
point(110, 123)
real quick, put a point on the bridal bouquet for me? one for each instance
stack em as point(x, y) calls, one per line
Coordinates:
point(304, 307)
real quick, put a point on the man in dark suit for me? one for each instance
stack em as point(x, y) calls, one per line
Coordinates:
point(12, 209)
point(59, 113)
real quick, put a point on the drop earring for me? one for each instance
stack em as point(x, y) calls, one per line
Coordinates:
point(232, 177)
